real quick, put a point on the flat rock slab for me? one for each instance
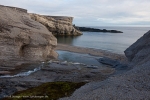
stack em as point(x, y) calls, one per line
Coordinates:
point(55, 66)
point(108, 61)
point(114, 63)
point(4, 72)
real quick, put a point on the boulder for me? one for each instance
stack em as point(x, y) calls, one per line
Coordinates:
point(139, 52)
point(23, 39)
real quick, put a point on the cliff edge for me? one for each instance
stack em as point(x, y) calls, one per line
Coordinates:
point(23, 39)
point(58, 25)
point(131, 85)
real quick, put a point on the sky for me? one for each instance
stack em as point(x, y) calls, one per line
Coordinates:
point(91, 12)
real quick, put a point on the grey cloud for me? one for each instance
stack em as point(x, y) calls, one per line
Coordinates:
point(90, 12)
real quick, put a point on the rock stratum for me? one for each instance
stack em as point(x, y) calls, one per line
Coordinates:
point(58, 25)
point(130, 85)
point(23, 39)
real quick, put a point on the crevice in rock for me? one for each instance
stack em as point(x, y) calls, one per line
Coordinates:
point(4, 27)
point(22, 50)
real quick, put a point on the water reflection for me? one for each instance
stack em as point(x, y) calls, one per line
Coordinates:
point(112, 42)
point(66, 39)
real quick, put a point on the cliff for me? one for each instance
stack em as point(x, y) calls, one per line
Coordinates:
point(23, 39)
point(15, 8)
point(58, 25)
point(130, 85)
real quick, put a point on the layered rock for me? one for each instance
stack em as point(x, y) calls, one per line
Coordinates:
point(58, 25)
point(23, 39)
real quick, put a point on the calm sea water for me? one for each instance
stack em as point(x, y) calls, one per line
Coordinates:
point(113, 42)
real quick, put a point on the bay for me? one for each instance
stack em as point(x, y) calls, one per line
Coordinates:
point(113, 42)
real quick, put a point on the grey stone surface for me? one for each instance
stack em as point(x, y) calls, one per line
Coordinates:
point(139, 52)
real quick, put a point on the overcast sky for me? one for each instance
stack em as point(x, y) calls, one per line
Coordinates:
point(91, 12)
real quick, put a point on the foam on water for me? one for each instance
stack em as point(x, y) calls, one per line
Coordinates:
point(23, 73)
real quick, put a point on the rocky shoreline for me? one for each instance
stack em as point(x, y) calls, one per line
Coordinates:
point(26, 41)
point(88, 29)
point(54, 70)
point(130, 85)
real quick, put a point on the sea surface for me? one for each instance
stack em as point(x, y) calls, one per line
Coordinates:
point(113, 42)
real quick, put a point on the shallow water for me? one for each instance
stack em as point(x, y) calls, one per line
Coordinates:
point(77, 57)
point(114, 42)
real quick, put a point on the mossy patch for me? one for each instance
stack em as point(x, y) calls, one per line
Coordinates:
point(47, 91)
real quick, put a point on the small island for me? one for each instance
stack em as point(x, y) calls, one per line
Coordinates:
point(88, 29)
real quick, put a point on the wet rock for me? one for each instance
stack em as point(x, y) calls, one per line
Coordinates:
point(109, 61)
point(88, 75)
point(114, 63)
point(93, 67)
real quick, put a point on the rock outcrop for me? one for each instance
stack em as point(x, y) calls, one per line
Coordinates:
point(23, 39)
point(58, 25)
point(88, 29)
point(131, 85)
point(139, 52)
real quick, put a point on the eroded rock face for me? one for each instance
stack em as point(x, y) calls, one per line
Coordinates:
point(23, 39)
point(57, 25)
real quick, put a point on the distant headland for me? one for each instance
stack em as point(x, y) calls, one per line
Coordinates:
point(88, 29)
